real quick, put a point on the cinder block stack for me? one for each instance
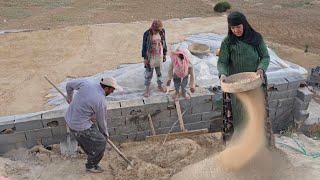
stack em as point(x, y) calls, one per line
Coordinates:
point(286, 101)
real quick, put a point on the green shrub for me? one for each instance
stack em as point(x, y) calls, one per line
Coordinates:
point(222, 6)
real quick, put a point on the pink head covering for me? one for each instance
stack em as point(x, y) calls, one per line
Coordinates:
point(180, 67)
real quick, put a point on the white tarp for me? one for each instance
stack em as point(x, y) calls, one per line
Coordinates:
point(131, 76)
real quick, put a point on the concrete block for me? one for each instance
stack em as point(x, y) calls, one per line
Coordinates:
point(211, 116)
point(6, 122)
point(54, 118)
point(300, 105)
point(60, 131)
point(38, 133)
point(217, 102)
point(282, 122)
point(193, 118)
point(286, 103)
point(294, 81)
point(304, 94)
point(198, 125)
point(168, 129)
point(274, 95)
point(156, 100)
point(280, 84)
point(8, 147)
point(301, 115)
point(273, 103)
point(201, 104)
point(28, 122)
point(50, 141)
point(119, 138)
point(139, 136)
point(113, 109)
point(116, 121)
point(168, 122)
point(112, 131)
point(292, 93)
point(216, 125)
point(12, 138)
point(132, 107)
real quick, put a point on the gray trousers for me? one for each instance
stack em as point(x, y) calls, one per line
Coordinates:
point(149, 73)
point(93, 142)
point(180, 82)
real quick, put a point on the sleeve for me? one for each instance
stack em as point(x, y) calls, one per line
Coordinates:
point(73, 85)
point(224, 59)
point(264, 56)
point(144, 45)
point(165, 49)
point(100, 113)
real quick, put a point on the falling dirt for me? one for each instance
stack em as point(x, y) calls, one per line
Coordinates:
point(246, 157)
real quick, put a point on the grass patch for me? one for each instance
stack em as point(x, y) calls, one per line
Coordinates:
point(222, 6)
point(297, 4)
point(288, 132)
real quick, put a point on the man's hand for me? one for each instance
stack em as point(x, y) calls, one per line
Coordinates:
point(260, 73)
point(223, 78)
point(164, 58)
point(192, 89)
point(168, 82)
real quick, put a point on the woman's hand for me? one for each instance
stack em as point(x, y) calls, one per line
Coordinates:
point(223, 78)
point(260, 73)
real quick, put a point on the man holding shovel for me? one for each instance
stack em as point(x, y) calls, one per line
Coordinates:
point(89, 102)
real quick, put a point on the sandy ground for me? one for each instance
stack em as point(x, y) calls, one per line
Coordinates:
point(152, 161)
point(86, 50)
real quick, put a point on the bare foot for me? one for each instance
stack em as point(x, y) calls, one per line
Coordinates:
point(146, 93)
point(161, 89)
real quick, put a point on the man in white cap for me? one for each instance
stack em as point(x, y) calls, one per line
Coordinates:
point(89, 102)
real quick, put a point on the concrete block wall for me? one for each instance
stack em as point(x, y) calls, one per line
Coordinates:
point(288, 100)
point(127, 120)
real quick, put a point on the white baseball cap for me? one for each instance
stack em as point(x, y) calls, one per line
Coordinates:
point(109, 81)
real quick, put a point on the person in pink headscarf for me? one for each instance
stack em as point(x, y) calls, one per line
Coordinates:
point(179, 70)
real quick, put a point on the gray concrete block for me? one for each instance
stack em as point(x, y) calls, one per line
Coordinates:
point(201, 104)
point(8, 147)
point(274, 95)
point(198, 125)
point(6, 122)
point(162, 116)
point(156, 100)
point(300, 105)
point(280, 84)
point(138, 136)
point(286, 103)
point(132, 107)
point(50, 141)
point(211, 116)
point(294, 81)
point(113, 109)
point(54, 118)
point(60, 131)
point(116, 121)
point(28, 122)
point(304, 94)
point(12, 138)
point(119, 138)
point(193, 118)
point(273, 103)
point(168, 129)
point(216, 125)
point(282, 122)
point(292, 93)
point(38, 133)
point(167, 122)
point(112, 131)
point(301, 115)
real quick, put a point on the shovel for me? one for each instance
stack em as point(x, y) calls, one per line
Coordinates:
point(69, 145)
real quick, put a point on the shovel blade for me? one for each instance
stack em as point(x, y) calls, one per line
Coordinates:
point(69, 146)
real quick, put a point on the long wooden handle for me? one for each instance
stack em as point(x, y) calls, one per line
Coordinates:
point(56, 87)
point(180, 116)
point(119, 152)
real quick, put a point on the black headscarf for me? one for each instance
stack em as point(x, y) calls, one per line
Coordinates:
point(250, 36)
